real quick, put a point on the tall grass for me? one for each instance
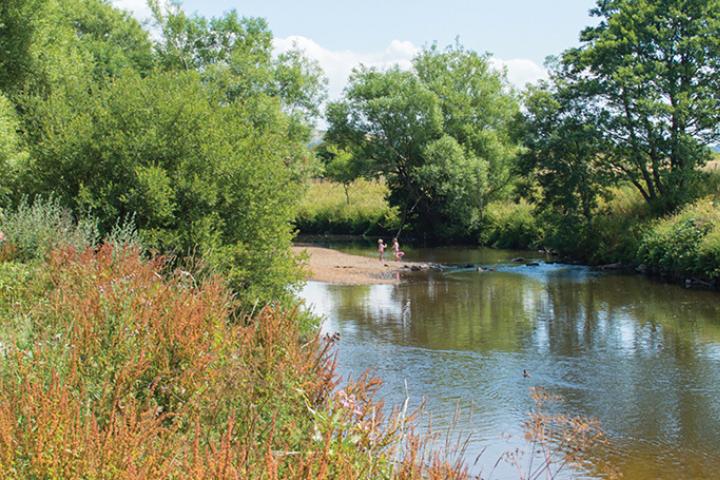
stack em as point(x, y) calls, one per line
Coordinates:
point(511, 225)
point(119, 372)
point(325, 209)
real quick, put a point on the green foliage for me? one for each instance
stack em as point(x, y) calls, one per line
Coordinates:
point(456, 181)
point(191, 170)
point(235, 54)
point(511, 225)
point(18, 25)
point(438, 135)
point(650, 74)
point(198, 139)
point(341, 166)
point(114, 39)
point(325, 210)
point(685, 243)
point(621, 219)
point(564, 154)
point(11, 153)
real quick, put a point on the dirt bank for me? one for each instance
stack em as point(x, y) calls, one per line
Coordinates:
point(331, 266)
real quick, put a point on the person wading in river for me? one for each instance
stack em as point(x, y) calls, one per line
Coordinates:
point(381, 249)
point(399, 254)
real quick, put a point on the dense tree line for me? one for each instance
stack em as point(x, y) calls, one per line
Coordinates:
point(637, 103)
point(198, 136)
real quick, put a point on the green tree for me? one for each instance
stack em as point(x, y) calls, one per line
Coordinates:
point(438, 134)
point(342, 167)
point(196, 174)
point(565, 153)
point(652, 71)
point(18, 26)
point(234, 54)
point(201, 140)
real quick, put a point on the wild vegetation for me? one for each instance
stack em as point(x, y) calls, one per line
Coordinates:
point(634, 107)
point(115, 364)
point(438, 135)
point(151, 187)
point(199, 136)
point(357, 208)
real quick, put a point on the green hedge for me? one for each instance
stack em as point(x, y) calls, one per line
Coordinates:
point(685, 244)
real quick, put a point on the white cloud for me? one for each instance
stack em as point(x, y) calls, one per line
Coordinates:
point(138, 8)
point(521, 71)
point(338, 64)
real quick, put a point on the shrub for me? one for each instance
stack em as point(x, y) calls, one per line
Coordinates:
point(32, 230)
point(618, 225)
point(11, 154)
point(196, 172)
point(685, 243)
point(511, 225)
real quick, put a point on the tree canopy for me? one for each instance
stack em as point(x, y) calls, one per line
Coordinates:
point(438, 134)
point(199, 136)
point(650, 70)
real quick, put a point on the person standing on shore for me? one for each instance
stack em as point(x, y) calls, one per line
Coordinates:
point(399, 254)
point(381, 249)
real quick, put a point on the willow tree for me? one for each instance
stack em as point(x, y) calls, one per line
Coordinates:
point(438, 134)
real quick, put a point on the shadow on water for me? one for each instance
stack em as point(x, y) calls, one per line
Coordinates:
point(642, 357)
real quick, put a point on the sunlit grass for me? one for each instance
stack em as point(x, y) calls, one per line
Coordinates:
point(365, 210)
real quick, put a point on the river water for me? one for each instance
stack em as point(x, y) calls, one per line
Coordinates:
point(640, 356)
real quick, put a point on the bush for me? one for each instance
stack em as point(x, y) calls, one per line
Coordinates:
point(687, 243)
point(11, 155)
point(325, 209)
point(197, 173)
point(511, 225)
point(32, 230)
point(618, 225)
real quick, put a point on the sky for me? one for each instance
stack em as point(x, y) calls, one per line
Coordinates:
point(339, 34)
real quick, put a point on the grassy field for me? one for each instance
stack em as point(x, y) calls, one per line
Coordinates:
point(326, 209)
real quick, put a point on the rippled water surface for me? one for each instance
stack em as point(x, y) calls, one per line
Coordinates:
point(640, 356)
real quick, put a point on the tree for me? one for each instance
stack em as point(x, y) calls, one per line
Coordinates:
point(196, 174)
point(342, 167)
point(18, 25)
point(652, 71)
point(565, 153)
point(235, 55)
point(439, 135)
point(202, 143)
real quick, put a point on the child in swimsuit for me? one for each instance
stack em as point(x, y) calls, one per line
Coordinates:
point(399, 254)
point(381, 249)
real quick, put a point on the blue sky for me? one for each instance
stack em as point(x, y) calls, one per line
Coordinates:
point(341, 34)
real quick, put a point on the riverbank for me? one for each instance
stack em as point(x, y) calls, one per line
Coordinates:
point(331, 266)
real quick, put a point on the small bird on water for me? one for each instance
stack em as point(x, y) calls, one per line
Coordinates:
point(526, 374)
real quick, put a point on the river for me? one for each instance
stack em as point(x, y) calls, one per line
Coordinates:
point(640, 356)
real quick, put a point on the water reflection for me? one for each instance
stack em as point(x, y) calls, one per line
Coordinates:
point(642, 357)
